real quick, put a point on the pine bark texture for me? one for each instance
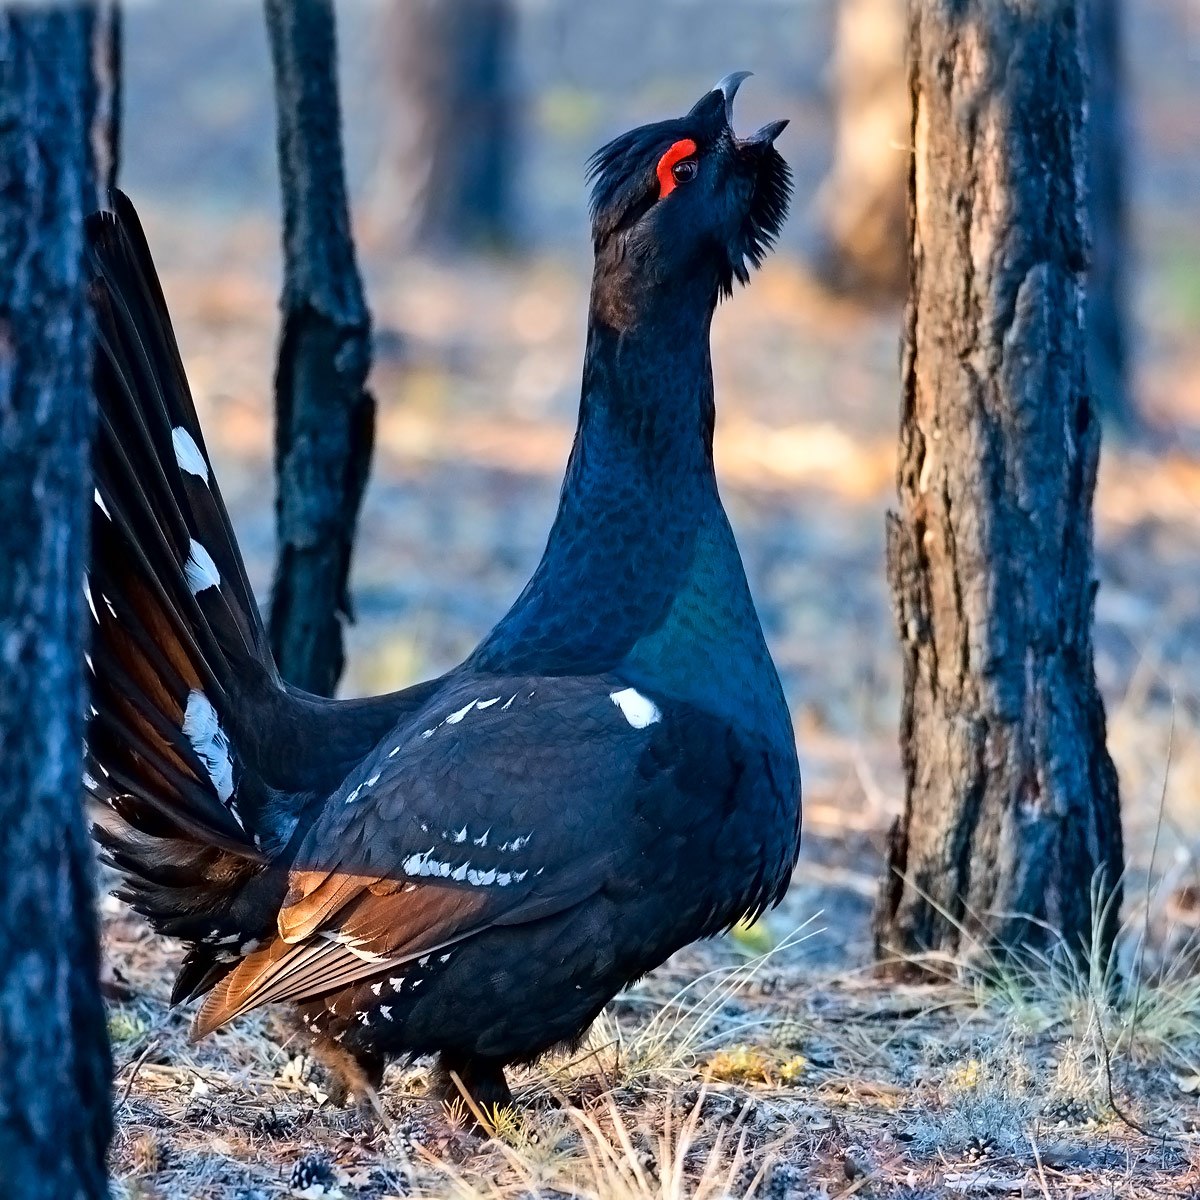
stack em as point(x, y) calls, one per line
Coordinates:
point(1011, 809)
point(54, 1062)
point(325, 416)
point(445, 176)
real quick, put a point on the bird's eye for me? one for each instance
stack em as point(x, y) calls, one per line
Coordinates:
point(676, 166)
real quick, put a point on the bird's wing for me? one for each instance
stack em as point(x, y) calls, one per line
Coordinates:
point(507, 800)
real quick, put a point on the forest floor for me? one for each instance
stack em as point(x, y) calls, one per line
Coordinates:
point(801, 1072)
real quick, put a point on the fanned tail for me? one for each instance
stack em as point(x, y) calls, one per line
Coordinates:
point(202, 759)
point(178, 650)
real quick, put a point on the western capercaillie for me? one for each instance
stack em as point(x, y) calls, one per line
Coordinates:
point(473, 866)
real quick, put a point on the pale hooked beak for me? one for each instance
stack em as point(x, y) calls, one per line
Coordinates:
point(728, 87)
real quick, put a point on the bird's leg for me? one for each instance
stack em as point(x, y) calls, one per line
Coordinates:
point(357, 1073)
point(482, 1079)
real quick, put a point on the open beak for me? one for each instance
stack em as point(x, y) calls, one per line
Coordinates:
point(761, 138)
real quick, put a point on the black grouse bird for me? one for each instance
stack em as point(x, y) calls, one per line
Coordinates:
point(473, 866)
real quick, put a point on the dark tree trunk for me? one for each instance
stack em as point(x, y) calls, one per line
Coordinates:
point(1108, 136)
point(445, 177)
point(1011, 809)
point(54, 1063)
point(325, 416)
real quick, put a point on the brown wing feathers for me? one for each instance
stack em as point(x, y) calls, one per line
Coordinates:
point(369, 935)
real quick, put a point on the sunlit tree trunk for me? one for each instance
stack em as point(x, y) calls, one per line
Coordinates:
point(445, 176)
point(861, 204)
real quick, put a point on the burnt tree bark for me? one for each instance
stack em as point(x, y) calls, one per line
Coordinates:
point(325, 416)
point(1011, 810)
point(54, 1062)
point(445, 175)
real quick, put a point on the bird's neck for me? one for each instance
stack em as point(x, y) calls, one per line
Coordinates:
point(646, 411)
point(640, 523)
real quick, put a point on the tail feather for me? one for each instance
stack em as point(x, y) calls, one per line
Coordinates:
point(177, 638)
point(122, 256)
point(200, 758)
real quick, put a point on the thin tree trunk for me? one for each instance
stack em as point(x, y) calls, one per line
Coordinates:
point(1011, 810)
point(54, 1063)
point(444, 179)
point(325, 415)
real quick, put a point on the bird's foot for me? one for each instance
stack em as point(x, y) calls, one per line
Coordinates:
point(472, 1091)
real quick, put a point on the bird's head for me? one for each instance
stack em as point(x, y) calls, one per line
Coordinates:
point(686, 203)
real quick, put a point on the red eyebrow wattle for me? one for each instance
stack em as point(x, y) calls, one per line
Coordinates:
point(679, 151)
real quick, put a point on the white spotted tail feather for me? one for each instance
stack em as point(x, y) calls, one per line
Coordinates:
point(178, 653)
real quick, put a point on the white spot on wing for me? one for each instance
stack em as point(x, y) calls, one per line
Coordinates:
point(355, 946)
point(200, 570)
point(99, 500)
point(202, 727)
point(489, 703)
point(639, 711)
point(187, 453)
point(455, 717)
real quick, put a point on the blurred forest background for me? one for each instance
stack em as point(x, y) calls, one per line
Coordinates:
point(478, 349)
point(479, 328)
